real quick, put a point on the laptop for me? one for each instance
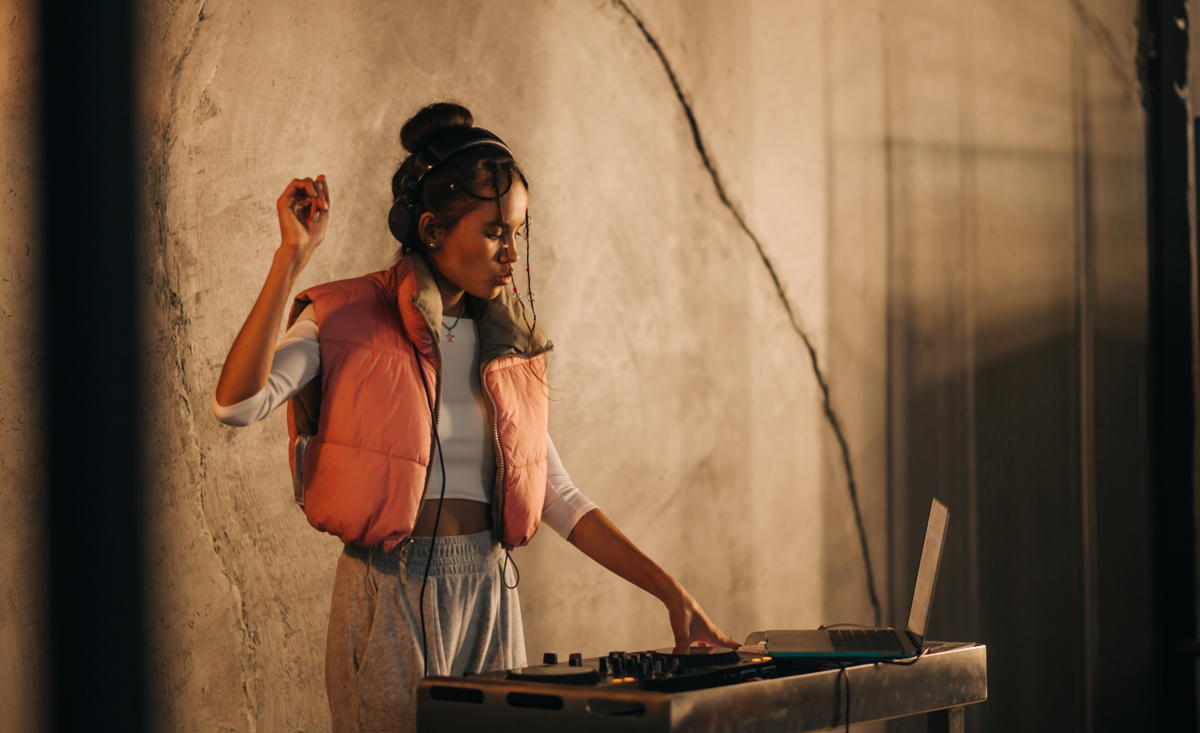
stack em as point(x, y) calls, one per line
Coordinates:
point(865, 643)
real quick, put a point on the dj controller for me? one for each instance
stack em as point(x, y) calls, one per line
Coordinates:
point(663, 670)
point(628, 690)
point(704, 690)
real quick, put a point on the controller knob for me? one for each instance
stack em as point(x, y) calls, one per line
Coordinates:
point(603, 665)
point(549, 658)
point(575, 660)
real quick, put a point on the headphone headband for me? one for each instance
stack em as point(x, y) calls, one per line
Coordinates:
point(405, 211)
point(451, 143)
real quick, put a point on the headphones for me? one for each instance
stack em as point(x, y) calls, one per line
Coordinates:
point(406, 209)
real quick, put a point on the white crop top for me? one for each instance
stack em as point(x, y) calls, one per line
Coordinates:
point(463, 432)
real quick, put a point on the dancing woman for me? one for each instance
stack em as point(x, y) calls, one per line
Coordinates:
point(417, 412)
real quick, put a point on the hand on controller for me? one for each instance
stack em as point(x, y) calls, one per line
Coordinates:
point(690, 624)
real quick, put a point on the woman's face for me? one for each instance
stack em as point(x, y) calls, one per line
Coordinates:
point(472, 255)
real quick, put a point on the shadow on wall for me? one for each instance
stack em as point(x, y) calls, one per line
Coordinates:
point(1027, 570)
point(1018, 350)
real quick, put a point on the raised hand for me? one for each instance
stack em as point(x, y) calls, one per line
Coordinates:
point(303, 216)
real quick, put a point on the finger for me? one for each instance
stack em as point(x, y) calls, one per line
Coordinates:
point(289, 193)
point(299, 189)
point(298, 201)
point(320, 199)
point(311, 204)
point(714, 637)
point(324, 190)
point(301, 210)
point(682, 641)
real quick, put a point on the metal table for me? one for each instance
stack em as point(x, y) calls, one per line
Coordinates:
point(939, 685)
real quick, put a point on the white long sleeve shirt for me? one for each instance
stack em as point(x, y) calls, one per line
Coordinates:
point(463, 433)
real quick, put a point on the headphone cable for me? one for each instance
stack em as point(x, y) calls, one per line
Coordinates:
point(437, 518)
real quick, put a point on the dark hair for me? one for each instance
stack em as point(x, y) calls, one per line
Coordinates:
point(463, 182)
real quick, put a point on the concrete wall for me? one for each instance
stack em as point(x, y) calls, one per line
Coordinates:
point(685, 405)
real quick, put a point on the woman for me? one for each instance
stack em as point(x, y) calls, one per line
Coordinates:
point(428, 509)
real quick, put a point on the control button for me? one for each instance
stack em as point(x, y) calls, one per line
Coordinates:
point(575, 660)
point(627, 679)
point(549, 658)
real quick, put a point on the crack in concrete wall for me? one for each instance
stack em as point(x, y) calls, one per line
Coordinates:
point(179, 323)
point(826, 402)
point(1107, 43)
point(176, 80)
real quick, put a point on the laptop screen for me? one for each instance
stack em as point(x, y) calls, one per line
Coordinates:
point(931, 558)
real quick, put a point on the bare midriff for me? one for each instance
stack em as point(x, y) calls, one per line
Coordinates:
point(459, 516)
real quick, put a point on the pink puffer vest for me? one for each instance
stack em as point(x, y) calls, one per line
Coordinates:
point(361, 434)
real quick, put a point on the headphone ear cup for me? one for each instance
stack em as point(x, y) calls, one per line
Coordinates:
point(401, 220)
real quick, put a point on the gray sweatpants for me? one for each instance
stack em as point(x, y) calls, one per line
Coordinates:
point(373, 653)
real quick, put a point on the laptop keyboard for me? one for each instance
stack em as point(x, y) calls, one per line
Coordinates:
point(865, 640)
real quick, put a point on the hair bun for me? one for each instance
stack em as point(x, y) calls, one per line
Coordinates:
point(431, 121)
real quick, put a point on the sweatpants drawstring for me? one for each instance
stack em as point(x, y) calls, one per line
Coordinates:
point(504, 571)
